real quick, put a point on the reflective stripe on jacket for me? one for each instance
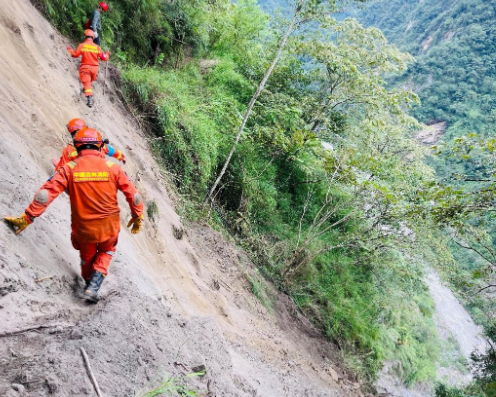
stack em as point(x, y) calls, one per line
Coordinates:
point(69, 153)
point(90, 53)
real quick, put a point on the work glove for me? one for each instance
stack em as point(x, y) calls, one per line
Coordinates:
point(18, 223)
point(69, 49)
point(137, 223)
point(107, 55)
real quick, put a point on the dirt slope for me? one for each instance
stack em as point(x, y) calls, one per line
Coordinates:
point(168, 304)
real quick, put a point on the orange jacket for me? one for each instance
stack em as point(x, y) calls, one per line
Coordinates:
point(70, 153)
point(91, 53)
point(92, 184)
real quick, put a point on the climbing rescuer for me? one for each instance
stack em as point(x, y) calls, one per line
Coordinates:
point(92, 184)
point(88, 70)
point(69, 153)
point(95, 21)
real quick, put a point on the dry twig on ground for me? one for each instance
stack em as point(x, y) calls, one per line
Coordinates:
point(90, 373)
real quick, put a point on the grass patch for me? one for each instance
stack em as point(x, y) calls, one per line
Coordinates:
point(259, 289)
point(152, 210)
point(171, 387)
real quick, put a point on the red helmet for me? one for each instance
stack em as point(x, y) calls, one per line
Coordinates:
point(75, 125)
point(89, 33)
point(88, 136)
point(104, 6)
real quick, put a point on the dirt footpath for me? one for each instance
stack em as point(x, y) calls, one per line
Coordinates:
point(168, 304)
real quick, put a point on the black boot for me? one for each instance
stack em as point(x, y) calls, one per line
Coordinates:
point(91, 292)
point(89, 101)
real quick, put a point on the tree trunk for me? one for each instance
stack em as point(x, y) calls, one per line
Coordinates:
point(255, 97)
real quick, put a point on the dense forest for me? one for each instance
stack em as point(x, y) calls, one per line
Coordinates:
point(328, 189)
point(454, 75)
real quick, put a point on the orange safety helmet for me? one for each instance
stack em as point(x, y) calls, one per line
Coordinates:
point(89, 33)
point(104, 6)
point(88, 136)
point(75, 125)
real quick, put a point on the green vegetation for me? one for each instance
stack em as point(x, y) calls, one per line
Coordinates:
point(152, 211)
point(259, 289)
point(171, 387)
point(454, 43)
point(445, 391)
point(324, 188)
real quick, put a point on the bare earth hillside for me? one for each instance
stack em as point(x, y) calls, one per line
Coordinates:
point(168, 304)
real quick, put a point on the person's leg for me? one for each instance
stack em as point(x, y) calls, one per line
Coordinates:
point(101, 264)
point(87, 253)
point(96, 40)
point(86, 78)
point(106, 251)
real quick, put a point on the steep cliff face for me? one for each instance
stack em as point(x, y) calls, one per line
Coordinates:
point(168, 304)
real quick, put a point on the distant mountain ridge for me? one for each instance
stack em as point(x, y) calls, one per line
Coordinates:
point(453, 42)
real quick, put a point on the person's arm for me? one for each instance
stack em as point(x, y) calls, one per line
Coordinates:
point(104, 56)
point(127, 187)
point(48, 192)
point(75, 53)
point(133, 198)
point(115, 153)
point(42, 199)
point(69, 153)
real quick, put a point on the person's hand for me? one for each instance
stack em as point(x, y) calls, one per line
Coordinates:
point(120, 156)
point(18, 223)
point(137, 223)
point(69, 49)
point(107, 55)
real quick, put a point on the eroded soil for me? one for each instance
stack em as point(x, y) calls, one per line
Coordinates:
point(168, 304)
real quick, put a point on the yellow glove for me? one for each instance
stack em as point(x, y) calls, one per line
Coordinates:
point(137, 223)
point(18, 223)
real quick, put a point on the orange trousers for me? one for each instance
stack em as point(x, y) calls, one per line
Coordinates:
point(88, 74)
point(95, 256)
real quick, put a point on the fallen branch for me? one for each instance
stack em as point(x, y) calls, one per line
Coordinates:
point(224, 284)
point(39, 280)
point(177, 364)
point(486, 287)
point(90, 372)
point(35, 328)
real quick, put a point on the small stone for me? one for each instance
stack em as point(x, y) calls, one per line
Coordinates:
point(334, 374)
point(76, 334)
point(52, 385)
point(18, 387)
point(199, 369)
point(182, 324)
point(177, 231)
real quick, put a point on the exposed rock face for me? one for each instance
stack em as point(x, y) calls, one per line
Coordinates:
point(431, 134)
point(460, 337)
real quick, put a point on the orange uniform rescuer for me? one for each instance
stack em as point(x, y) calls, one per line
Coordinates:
point(70, 153)
point(92, 184)
point(91, 53)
